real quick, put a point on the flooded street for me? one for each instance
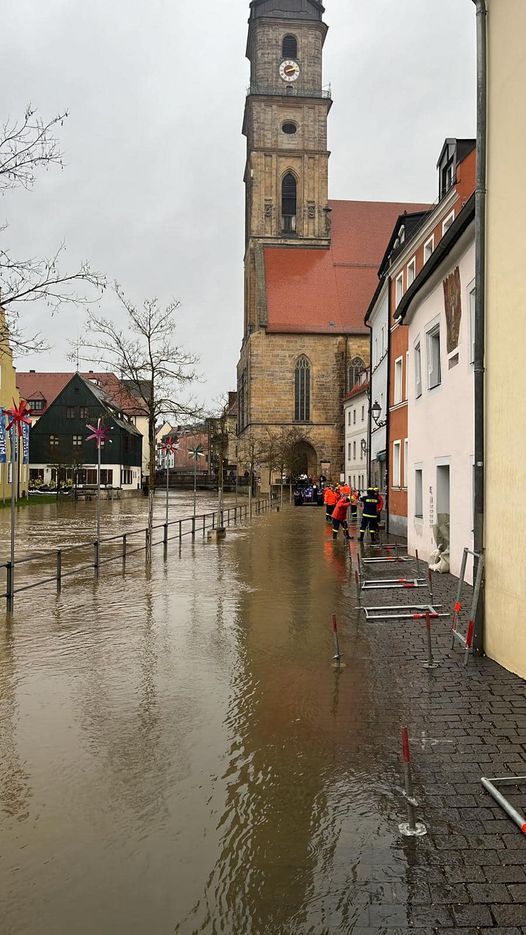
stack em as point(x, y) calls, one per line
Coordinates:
point(177, 752)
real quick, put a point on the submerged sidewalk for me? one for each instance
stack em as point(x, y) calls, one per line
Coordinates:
point(469, 872)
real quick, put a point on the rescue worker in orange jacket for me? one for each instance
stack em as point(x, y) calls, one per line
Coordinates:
point(345, 490)
point(339, 517)
point(380, 500)
point(355, 497)
point(370, 514)
point(330, 499)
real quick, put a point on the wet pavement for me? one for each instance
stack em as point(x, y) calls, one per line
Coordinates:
point(178, 753)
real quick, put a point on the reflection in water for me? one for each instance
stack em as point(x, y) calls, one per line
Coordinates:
point(185, 754)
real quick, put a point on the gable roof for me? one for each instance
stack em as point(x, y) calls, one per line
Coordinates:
point(328, 290)
point(48, 385)
point(453, 235)
point(99, 396)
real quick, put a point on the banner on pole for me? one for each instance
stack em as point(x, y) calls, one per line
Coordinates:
point(13, 438)
point(3, 444)
point(25, 437)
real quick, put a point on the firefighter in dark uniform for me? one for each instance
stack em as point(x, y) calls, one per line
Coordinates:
point(370, 514)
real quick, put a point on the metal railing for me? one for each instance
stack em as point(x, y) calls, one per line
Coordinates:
point(290, 91)
point(188, 526)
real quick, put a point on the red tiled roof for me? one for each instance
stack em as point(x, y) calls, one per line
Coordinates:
point(324, 291)
point(357, 390)
point(47, 386)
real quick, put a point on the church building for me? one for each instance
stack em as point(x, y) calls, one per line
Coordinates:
point(310, 263)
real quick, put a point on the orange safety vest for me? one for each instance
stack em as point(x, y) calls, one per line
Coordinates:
point(330, 497)
point(345, 490)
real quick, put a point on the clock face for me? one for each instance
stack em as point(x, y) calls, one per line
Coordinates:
point(289, 70)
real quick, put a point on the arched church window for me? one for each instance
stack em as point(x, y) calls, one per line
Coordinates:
point(290, 47)
point(356, 368)
point(288, 202)
point(302, 390)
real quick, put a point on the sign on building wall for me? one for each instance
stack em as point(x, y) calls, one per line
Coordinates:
point(453, 308)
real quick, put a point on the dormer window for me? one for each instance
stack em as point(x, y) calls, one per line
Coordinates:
point(290, 47)
point(36, 405)
point(447, 167)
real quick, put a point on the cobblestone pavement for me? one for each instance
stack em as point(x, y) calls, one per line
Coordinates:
point(469, 872)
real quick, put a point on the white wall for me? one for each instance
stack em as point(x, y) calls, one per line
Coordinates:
point(356, 434)
point(441, 420)
point(379, 320)
point(116, 468)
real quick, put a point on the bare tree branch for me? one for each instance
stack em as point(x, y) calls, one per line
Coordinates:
point(26, 145)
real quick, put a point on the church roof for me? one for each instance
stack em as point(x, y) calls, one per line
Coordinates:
point(287, 9)
point(327, 291)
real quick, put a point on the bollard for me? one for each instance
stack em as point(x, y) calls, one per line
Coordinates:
point(193, 527)
point(411, 828)
point(96, 548)
point(204, 525)
point(124, 548)
point(165, 539)
point(180, 530)
point(59, 569)
point(337, 656)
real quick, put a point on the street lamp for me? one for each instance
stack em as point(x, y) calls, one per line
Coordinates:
point(375, 412)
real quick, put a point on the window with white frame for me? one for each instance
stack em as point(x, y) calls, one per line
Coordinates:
point(354, 417)
point(419, 494)
point(354, 451)
point(406, 376)
point(398, 380)
point(376, 350)
point(383, 341)
point(399, 288)
point(434, 371)
point(363, 413)
point(472, 295)
point(396, 463)
point(406, 455)
point(411, 271)
point(429, 247)
point(418, 370)
point(348, 417)
point(349, 451)
point(448, 222)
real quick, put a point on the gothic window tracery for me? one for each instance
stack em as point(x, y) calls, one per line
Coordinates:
point(289, 202)
point(356, 368)
point(302, 390)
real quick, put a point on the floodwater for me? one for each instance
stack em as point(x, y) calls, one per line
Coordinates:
point(178, 753)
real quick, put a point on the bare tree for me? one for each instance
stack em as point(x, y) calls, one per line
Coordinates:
point(151, 365)
point(26, 146)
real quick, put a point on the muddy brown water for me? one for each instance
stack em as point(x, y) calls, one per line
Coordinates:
point(177, 752)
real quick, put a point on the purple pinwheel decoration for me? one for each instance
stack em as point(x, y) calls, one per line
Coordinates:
point(100, 433)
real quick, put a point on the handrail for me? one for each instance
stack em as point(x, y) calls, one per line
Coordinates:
point(242, 510)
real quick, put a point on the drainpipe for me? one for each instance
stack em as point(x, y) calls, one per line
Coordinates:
point(480, 300)
point(370, 404)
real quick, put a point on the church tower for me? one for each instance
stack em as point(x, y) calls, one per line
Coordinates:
point(285, 124)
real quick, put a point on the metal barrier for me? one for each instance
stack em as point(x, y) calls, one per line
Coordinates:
point(183, 527)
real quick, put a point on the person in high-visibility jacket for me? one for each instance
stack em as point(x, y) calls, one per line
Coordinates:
point(370, 514)
point(330, 499)
point(380, 500)
point(345, 490)
point(339, 517)
point(355, 497)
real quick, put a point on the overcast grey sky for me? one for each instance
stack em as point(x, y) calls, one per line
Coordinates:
point(152, 192)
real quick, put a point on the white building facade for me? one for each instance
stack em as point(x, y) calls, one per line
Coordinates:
point(378, 320)
point(356, 416)
point(439, 312)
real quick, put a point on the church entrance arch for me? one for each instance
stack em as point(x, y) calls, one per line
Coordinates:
point(305, 459)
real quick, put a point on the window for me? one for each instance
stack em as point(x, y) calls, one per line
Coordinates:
point(289, 128)
point(70, 412)
point(36, 405)
point(349, 451)
point(472, 295)
point(302, 391)
point(289, 48)
point(54, 441)
point(77, 441)
point(433, 358)
point(354, 417)
point(383, 341)
point(406, 375)
point(354, 451)
point(288, 203)
point(348, 417)
point(399, 288)
point(126, 477)
point(398, 381)
point(355, 370)
point(83, 412)
point(418, 370)
point(411, 271)
point(448, 222)
point(429, 246)
point(419, 494)
point(396, 464)
point(406, 454)
point(376, 358)
point(363, 413)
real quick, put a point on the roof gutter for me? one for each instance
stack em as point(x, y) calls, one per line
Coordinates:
point(480, 300)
